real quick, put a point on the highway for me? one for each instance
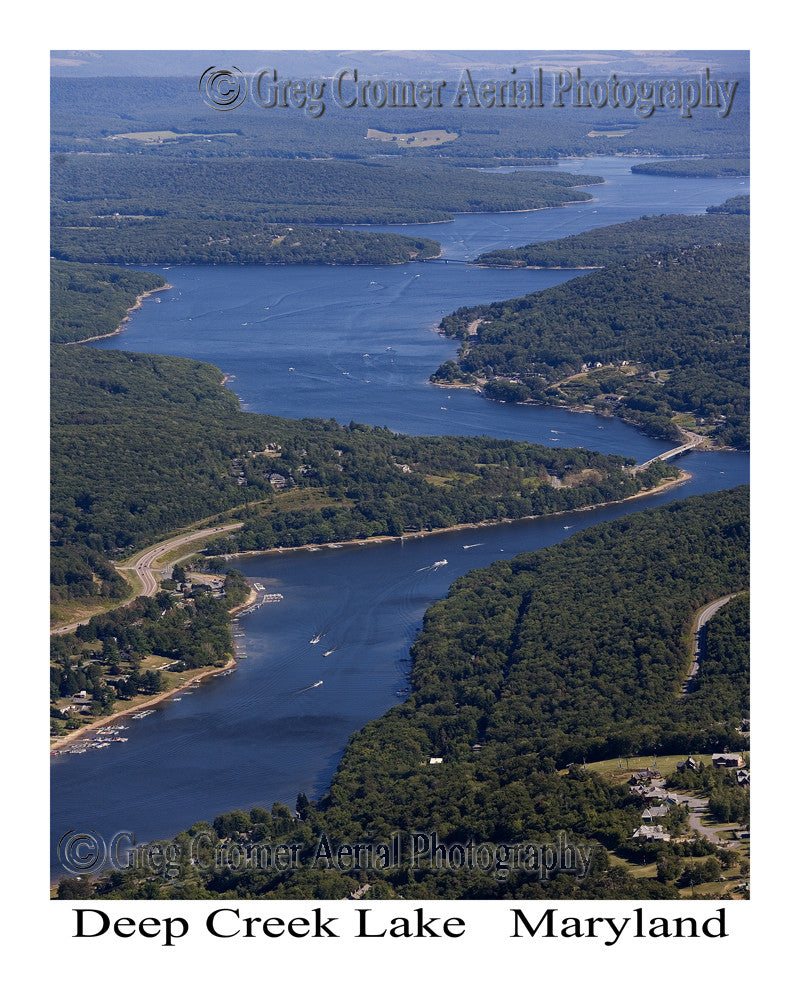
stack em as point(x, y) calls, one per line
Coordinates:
point(143, 566)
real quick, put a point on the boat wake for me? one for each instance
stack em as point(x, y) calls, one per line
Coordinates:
point(434, 566)
point(310, 687)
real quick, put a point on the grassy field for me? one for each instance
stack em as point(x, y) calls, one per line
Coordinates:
point(427, 137)
point(167, 136)
point(611, 771)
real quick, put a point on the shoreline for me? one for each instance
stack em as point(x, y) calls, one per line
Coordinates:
point(380, 539)
point(123, 323)
point(538, 267)
point(707, 445)
point(57, 742)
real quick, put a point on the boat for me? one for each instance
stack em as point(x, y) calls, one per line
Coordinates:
point(317, 684)
point(328, 654)
point(441, 562)
point(315, 639)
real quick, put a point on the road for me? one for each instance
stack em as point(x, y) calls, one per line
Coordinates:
point(703, 617)
point(143, 566)
point(690, 441)
point(696, 809)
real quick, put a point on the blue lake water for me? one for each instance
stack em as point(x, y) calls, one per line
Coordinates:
point(350, 343)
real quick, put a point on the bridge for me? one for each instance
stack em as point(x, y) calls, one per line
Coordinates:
point(690, 442)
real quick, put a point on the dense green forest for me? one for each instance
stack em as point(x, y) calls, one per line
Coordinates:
point(739, 204)
point(153, 240)
point(656, 336)
point(609, 245)
point(143, 444)
point(574, 652)
point(705, 167)
point(92, 301)
point(257, 191)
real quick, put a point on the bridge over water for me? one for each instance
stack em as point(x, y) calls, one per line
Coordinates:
point(691, 441)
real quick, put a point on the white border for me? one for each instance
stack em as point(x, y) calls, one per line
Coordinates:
point(486, 960)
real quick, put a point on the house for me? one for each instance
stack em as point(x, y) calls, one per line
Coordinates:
point(651, 833)
point(436, 760)
point(727, 760)
point(653, 812)
point(690, 764)
point(743, 778)
point(645, 775)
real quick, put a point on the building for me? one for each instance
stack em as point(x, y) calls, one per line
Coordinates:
point(651, 833)
point(727, 760)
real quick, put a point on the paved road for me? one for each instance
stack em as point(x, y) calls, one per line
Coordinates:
point(144, 566)
point(706, 613)
point(690, 441)
point(696, 809)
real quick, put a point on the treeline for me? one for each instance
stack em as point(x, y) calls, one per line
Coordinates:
point(609, 245)
point(578, 651)
point(712, 166)
point(739, 204)
point(92, 301)
point(258, 191)
point(723, 680)
point(143, 444)
point(378, 483)
point(155, 240)
point(661, 334)
point(84, 117)
point(574, 652)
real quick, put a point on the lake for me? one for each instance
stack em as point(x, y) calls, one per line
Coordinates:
point(353, 343)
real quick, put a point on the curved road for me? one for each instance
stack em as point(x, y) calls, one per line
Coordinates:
point(143, 566)
point(690, 442)
point(703, 617)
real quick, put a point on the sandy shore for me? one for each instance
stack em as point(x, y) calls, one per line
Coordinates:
point(105, 720)
point(137, 304)
point(378, 539)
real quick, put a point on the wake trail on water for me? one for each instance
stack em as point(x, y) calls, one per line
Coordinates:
point(433, 567)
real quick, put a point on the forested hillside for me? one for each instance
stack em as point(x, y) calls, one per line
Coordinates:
point(151, 240)
point(88, 302)
point(259, 191)
point(661, 335)
point(144, 444)
point(712, 166)
point(610, 245)
point(574, 652)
